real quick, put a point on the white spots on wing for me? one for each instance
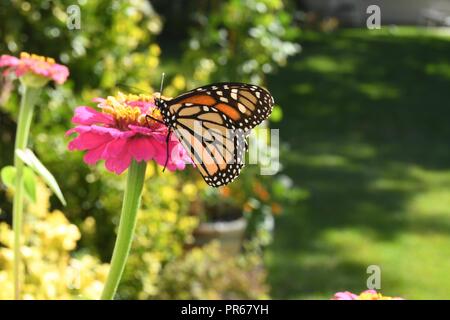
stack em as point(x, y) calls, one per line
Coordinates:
point(220, 93)
point(234, 95)
point(257, 94)
point(223, 99)
point(241, 107)
point(205, 108)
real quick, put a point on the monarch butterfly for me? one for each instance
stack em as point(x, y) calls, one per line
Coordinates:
point(212, 123)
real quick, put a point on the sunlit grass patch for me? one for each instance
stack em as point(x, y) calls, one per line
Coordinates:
point(378, 90)
point(303, 88)
point(325, 64)
point(367, 122)
point(442, 69)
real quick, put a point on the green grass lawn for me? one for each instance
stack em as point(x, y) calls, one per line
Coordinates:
point(367, 133)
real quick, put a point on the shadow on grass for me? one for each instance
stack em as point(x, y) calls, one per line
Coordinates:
point(363, 113)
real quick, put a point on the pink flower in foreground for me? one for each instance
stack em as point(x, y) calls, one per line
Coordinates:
point(120, 133)
point(346, 295)
point(35, 65)
point(365, 295)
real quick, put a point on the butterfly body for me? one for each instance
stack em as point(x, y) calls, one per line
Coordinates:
point(212, 123)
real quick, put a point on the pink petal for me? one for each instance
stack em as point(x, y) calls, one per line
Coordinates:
point(161, 152)
point(78, 129)
point(59, 73)
point(158, 131)
point(120, 163)
point(115, 148)
point(94, 155)
point(21, 70)
point(142, 148)
point(113, 132)
point(89, 140)
point(43, 71)
point(178, 158)
point(8, 61)
point(87, 116)
point(346, 295)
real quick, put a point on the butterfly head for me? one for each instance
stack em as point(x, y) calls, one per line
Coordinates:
point(158, 102)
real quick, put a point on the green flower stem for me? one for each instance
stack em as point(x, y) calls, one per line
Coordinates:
point(127, 224)
point(23, 129)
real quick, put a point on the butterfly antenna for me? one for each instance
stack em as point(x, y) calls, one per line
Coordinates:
point(162, 83)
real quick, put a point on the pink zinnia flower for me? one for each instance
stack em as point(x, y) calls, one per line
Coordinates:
point(345, 295)
point(365, 295)
point(121, 133)
point(36, 65)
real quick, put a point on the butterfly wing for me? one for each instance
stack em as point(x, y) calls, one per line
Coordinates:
point(212, 123)
point(217, 153)
point(244, 105)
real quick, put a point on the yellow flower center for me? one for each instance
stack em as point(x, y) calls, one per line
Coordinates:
point(26, 55)
point(125, 111)
point(373, 296)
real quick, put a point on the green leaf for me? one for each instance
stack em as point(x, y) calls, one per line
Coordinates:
point(8, 175)
point(29, 182)
point(34, 163)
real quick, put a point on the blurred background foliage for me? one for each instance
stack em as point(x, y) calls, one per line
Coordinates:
point(53, 269)
point(119, 47)
point(364, 152)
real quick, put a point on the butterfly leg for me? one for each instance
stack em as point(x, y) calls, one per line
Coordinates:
point(167, 149)
point(154, 119)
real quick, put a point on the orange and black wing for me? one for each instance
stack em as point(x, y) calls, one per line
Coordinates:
point(242, 105)
point(212, 123)
point(218, 153)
